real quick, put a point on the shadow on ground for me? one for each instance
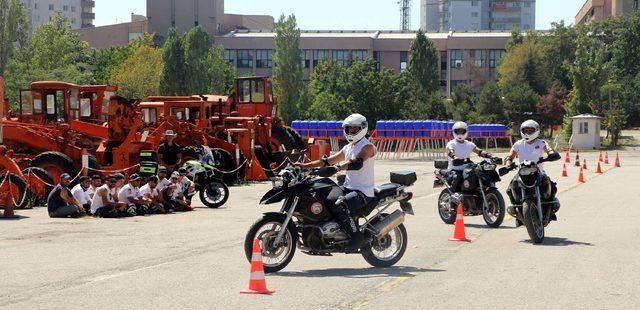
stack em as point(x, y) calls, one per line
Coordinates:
point(487, 227)
point(399, 271)
point(556, 241)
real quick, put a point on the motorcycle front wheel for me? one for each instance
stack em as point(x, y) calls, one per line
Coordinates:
point(446, 210)
point(533, 222)
point(214, 194)
point(493, 212)
point(274, 256)
point(388, 250)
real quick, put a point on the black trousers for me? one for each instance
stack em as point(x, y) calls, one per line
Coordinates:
point(351, 204)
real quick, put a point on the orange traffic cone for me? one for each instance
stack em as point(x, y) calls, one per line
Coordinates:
point(567, 157)
point(459, 233)
point(564, 170)
point(617, 163)
point(577, 164)
point(581, 176)
point(584, 164)
point(598, 170)
point(600, 157)
point(257, 282)
point(606, 158)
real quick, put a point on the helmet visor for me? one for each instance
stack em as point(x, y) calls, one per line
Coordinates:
point(352, 130)
point(460, 131)
point(528, 130)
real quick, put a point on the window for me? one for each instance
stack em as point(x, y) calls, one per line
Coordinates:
point(474, 3)
point(74, 104)
point(474, 14)
point(319, 56)
point(51, 7)
point(85, 107)
point(494, 57)
point(359, 55)
point(25, 103)
point(245, 59)
point(65, 8)
point(404, 56)
point(584, 128)
point(457, 59)
point(341, 57)
point(443, 60)
point(149, 115)
point(479, 58)
point(264, 58)
point(306, 59)
point(257, 91)
point(526, 27)
point(376, 57)
point(51, 104)
point(35, 5)
point(527, 4)
point(74, 20)
point(250, 91)
point(228, 55)
point(73, 8)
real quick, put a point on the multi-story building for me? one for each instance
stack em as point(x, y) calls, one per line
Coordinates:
point(597, 10)
point(79, 12)
point(477, 15)
point(184, 15)
point(114, 35)
point(465, 58)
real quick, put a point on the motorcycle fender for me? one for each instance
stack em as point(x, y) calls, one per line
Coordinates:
point(279, 215)
point(277, 194)
point(406, 207)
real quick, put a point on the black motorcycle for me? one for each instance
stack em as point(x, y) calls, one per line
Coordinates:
point(532, 205)
point(306, 222)
point(212, 190)
point(477, 191)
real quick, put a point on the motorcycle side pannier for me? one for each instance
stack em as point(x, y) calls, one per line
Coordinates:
point(404, 177)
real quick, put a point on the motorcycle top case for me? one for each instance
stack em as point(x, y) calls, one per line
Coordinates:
point(441, 164)
point(148, 155)
point(404, 177)
point(148, 168)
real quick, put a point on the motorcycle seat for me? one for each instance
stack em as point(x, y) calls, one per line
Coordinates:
point(386, 190)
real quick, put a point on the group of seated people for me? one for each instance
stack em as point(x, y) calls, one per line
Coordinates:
point(113, 198)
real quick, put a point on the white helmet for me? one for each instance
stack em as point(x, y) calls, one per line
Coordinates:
point(460, 125)
point(355, 120)
point(530, 124)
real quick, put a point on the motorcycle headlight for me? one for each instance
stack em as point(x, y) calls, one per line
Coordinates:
point(277, 182)
point(488, 167)
point(525, 171)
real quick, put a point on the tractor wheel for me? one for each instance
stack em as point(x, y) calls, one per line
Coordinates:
point(55, 163)
point(281, 139)
point(94, 166)
point(191, 153)
point(44, 176)
point(264, 160)
point(17, 187)
point(299, 143)
point(227, 163)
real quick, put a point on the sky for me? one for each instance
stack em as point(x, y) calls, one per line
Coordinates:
point(332, 14)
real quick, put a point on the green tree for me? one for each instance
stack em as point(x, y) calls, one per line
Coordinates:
point(105, 61)
point(558, 52)
point(523, 64)
point(490, 108)
point(139, 76)
point(14, 29)
point(516, 38)
point(172, 79)
point(462, 102)
point(551, 108)
point(423, 63)
point(221, 71)
point(520, 104)
point(197, 74)
point(288, 67)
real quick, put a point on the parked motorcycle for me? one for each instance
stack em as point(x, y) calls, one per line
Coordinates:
point(212, 190)
point(477, 193)
point(531, 209)
point(306, 222)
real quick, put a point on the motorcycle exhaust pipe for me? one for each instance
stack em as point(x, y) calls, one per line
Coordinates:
point(388, 223)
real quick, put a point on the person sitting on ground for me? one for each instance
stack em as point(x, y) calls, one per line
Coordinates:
point(61, 203)
point(119, 184)
point(103, 204)
point(79, 192)
point(96, 181)
point(173, 197)
point(130, 195)
point(150, 192)
point(188, 187)
point(162, 178)
point(169, 152)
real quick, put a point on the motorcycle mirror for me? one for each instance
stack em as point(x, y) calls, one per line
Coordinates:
point(497, 160)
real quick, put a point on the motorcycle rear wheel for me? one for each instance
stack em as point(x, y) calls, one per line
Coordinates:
point(374, 252)
point(532, 221)
point(274, 258)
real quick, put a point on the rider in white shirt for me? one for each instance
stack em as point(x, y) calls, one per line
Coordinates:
point(460, 148)
point(358, 159)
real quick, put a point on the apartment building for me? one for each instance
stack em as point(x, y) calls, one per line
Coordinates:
point(476, 15)
point(598, 10)
point(79, 12)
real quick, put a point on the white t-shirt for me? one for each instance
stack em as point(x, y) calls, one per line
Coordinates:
point(185, 183)
point(90, 191)
point(531, 152)
point(80, 194)
point(127, 191)
point(162, 183)
point(364, 179)
point(97, 200)
point(146, 192)
point(177, 191)
point(462, 150)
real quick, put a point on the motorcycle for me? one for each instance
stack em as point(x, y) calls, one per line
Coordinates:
point(478, 193)
point(212, 190)
point(530, 208)
point(305, 221)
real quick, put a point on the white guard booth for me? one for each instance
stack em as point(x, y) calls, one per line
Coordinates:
point(586, 131)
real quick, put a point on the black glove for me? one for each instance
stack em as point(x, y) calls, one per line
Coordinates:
point(328, 171)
